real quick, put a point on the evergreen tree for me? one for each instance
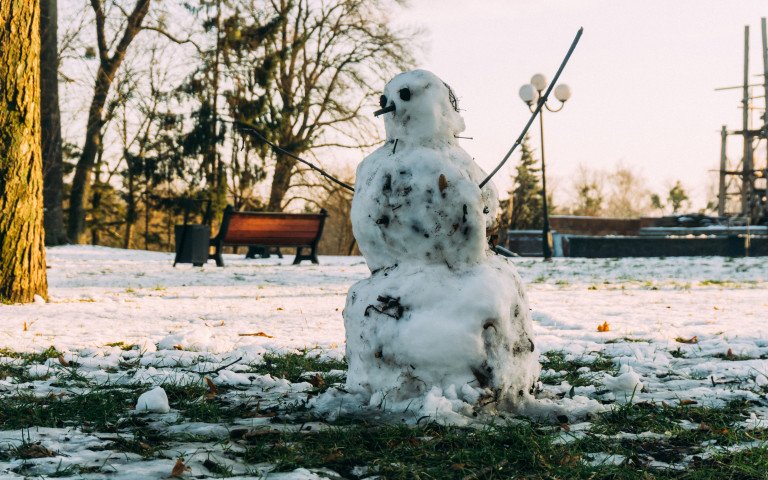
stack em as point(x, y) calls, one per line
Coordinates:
point(526, 212)
point(589, 200)
point(677, 197)
point(656, 203)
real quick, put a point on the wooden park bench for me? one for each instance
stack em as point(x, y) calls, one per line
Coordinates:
point(270, 229)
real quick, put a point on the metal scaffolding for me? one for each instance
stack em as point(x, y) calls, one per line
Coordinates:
point(743, 187)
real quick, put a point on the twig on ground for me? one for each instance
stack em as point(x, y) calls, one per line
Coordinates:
point(217, 370)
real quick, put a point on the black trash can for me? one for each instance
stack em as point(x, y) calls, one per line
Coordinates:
point(192, 244)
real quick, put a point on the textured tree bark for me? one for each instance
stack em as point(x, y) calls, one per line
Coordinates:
point(281, 181)
point(81, 182)
point(50, 121)
point(22, 254)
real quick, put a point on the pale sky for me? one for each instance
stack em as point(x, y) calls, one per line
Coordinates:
point(643, 80)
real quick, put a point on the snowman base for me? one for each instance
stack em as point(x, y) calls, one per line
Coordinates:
point(430, 333)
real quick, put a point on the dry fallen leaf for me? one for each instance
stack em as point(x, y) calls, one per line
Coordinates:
point(729, 354)
point(25, 326)
point(179, 468)
point(212, 390)
point(442, 183)
point(257, 334)
point(688, 402)
point(259, 414)
point(317, 380)
point(693, 339)
point(34, 450)
point(178, 347)
point(333, 456)
point(604, 327)
point(570, 460)
point(63, 361)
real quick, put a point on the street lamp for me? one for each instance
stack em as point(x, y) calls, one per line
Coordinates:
point(531, 95)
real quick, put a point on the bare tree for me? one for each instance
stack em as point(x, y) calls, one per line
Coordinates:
point(22, 255)
point(109, 62)
point(589, 186)
point(323, 65)
point(50, 116)
point(628, 196)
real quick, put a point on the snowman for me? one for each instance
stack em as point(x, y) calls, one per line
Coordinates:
point(442, 322)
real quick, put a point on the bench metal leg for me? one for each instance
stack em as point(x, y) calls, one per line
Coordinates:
point(312, 257)
point(217, 255)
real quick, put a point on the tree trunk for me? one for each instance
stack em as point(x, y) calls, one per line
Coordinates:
point(108, 66)
point(22, 254)
point(81, 182)
point(280, 182)
point(50, 121)
point(96, 218)
point(130, 215)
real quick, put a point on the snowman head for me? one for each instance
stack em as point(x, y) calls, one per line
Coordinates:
point(419, 107)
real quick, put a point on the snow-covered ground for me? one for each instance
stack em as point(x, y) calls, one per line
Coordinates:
point(678, 329)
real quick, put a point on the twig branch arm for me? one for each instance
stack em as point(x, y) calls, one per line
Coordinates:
point(540, 105)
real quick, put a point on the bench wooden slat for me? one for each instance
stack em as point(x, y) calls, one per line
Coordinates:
point(270, 229)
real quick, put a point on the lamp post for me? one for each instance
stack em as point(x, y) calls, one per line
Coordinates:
point(530, 93)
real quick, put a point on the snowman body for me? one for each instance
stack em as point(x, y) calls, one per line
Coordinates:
point(440, 313)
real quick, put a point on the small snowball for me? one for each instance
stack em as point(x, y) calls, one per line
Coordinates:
point(38, 371)
point(435, 403)
point(628, 382)
point(39, 300)
point(470, 394)
point(154, 400)
point(450, 392)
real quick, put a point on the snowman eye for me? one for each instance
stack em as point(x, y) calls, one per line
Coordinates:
point(405, 94)
point(383, 101)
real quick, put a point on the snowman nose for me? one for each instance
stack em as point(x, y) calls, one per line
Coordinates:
point(390, 108)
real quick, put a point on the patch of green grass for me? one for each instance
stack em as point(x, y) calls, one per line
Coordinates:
point(221, 471)
point(291, 366)
point(37, 357)
point(146, 443)
point(519, 450)
point(556, 361)
point(732, 357)
point(18, 370)
point(647, 417)
point(715, 282)
point(677, 353)
point(628, 340)
point(100, 409)
point(122, 345)
point(18, 373)
point(195, 404)
point(398, 451)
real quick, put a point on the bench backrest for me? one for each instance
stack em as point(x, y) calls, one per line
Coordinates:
point(267, 228)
